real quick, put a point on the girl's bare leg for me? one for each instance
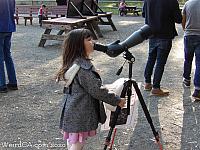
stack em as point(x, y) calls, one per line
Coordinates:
point(68, 145)
point(77, 146)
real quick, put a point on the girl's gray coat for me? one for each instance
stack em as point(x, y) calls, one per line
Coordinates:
point(79, 114)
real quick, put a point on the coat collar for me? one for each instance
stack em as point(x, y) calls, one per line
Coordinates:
point(84, 63)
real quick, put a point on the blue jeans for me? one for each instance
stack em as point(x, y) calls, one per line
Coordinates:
point(158, 53)
point(191, 47)
point(5, 56)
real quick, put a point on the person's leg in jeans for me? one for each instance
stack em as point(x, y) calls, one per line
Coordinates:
point(196, 93)
point(162, 55)
point(40, 20)
point(2, 69)
point(8, 60)
point(163, 51)
point(121, 12)
point(197, 70)
point(150, 63)
point(189, 54)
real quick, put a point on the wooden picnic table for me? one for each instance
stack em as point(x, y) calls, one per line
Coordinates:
point(64, 25)
point(133, 9)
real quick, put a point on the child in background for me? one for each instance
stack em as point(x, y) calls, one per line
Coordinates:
point(122, 8)
point(79, 118)
point(42, 14)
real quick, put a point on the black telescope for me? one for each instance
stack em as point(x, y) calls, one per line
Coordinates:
point(117, 47)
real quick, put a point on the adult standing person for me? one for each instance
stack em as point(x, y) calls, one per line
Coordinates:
point(191, 26)
point(161, 16)
point(7, 26)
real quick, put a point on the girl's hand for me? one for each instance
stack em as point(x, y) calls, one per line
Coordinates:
point(122, 102)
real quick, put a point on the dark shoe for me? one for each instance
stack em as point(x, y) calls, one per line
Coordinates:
point(3, 90)
point(12, 86)
point(159, 92)
point(147, 86)
point(186, 82)
point(196, 95)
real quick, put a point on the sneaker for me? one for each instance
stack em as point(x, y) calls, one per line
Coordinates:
point(159, 92)
point(196, 94)
point(3, 90)
point(147, 86)
point(12, 86)
point(186, 82)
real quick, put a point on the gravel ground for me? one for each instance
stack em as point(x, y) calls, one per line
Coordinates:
point(29, 117)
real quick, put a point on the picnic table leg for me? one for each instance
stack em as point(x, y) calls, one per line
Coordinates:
point(91, 28)
point(60, 32)
point(97, 29)
point(25, 21)
point(31, 21)
point(101, 20)
point(17, 19)
point(43, 40)
point(111, 23)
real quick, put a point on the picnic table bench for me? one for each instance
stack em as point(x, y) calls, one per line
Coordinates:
point(27, 12)
point(64, 25)
point(133, 9)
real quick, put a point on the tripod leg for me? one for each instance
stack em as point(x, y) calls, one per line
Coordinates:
point(146, 112)
point(129, 93)
point(107, 142)
point(114, 121)
point(113, 138)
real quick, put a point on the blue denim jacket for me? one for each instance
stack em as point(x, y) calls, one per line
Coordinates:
point(7, 11)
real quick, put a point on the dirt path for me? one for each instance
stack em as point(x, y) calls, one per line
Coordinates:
point(29, 117)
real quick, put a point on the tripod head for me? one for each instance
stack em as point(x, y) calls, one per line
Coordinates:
point(131, 59)
point(128, 56)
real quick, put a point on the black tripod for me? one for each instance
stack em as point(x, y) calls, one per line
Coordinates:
point(127, 92)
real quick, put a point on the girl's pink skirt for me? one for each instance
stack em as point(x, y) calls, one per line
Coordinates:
point(78, 137)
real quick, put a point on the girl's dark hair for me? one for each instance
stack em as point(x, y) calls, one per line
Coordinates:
point(73, 47)
point(43, 5)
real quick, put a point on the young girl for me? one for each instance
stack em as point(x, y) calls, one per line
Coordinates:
point(79, 118)
point(42, 14)
point(122, 8)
